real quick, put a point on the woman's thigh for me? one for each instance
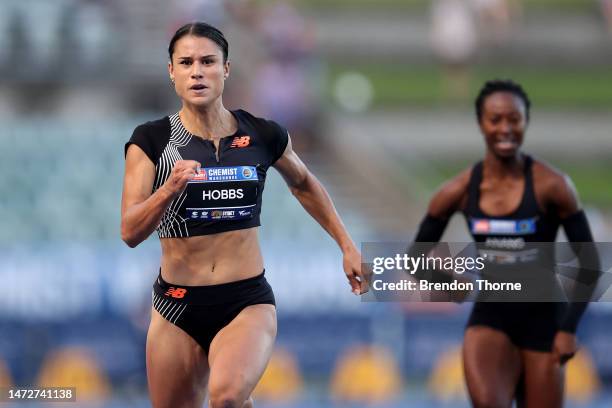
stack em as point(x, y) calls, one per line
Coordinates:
point(543, 380)
point(177, 367)
point(492, 365)
point(239, 354)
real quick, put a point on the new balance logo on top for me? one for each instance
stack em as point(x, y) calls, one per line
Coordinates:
point(176, 293)
point(241, 141)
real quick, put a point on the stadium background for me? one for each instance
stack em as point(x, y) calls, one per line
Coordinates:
point(378, 98)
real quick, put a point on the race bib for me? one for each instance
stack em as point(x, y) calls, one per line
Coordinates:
point(485, 226)
point(222, 193)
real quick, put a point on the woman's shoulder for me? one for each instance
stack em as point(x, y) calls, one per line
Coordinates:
point(457, 185)
point(274, 136)
point(547, 176)
point(555, 187)
point(151, 137)
point(451, 196)
point(260, 123)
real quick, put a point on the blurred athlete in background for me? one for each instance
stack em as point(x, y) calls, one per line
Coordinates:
point(510, 197)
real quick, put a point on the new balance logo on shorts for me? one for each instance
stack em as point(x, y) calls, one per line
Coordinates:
point(177, 293)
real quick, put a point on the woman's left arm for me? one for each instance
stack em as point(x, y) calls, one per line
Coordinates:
point(316, 201)
point(576, 226)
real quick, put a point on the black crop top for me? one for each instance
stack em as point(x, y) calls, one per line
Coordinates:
point(507, 239)
point(226, 193)
point(526, 224)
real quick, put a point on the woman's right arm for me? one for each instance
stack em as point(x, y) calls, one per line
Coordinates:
point(142, 211)
point(448, 199)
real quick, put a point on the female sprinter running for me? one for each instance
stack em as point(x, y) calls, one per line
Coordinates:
point(197, 177)
point(512, 198)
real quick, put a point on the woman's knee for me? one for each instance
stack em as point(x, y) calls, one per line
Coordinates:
point(229, 401)
point(228, 396)
point(489, 400)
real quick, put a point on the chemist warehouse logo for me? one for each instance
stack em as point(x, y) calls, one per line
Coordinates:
point(241, 141)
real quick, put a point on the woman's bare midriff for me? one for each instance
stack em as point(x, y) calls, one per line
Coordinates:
point(211, 259)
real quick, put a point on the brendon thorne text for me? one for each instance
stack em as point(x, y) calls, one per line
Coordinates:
point(455, 285)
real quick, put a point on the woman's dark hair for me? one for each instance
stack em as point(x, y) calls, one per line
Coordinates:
point(200, 29)
point(501, 85)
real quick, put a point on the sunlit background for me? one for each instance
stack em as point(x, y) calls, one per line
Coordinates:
point(378, 97)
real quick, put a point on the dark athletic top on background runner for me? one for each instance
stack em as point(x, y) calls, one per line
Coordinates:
point(510, 243)
point(525, 224)
point(226, 194)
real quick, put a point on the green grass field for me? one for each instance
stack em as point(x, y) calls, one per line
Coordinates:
point(592, 178)
point(414, 5)
point(562, 87)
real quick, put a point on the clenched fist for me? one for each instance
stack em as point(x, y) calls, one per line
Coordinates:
point(182, 172)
